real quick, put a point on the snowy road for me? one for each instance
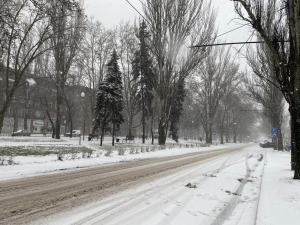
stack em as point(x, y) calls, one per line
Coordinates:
point(150, 191)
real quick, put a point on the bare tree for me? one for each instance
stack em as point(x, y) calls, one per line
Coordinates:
point(127, 46)
point(265, 91)
point(92, 58)
point(174, 25)
point(68, 29)
point(25, 20)
point(285, 54)
point(218, 75)
point(226, 105)
point(20, 21)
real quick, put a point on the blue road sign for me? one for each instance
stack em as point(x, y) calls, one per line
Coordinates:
point(274, 132)
point(214, 132)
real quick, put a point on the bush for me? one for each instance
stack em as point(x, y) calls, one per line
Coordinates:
point(10, 160)
point(2, 159)
point(137, 151)
point(132, 150)
point(74, 156)
point(108, 152)
point(162, 147)
point(121, 151)
point(99, 153)
point(90, 153)
point(142, 150)
point(60, 156)
point(147, 149)
point(153, 148)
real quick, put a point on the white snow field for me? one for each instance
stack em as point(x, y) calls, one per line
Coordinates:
point(252, 186)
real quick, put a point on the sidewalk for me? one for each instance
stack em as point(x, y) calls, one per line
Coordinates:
point(279, 201)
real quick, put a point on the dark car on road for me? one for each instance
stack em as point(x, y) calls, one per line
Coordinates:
point(267, 144)
point(21, 133)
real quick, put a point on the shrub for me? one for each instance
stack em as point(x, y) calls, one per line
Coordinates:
point(121, 151)
point(162, 147)
point(137, 151)
point(142, 149)
point(147, 149)
point(10, 160)
point(60, 156)
point(2, 159)
point(108, 152)
point(99, 153)
point(74, 156)
point(132, 150)
point(89, 153)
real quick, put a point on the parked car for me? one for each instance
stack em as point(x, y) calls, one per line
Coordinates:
point(75, 133)
point(267, 145)
point(21, 133)
point(265, 141)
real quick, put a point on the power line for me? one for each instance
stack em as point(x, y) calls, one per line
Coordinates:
point(232, 30)
point(198, 45)
point(215, 37)
point(145, 18)
point(232, 43)
point(137, 11)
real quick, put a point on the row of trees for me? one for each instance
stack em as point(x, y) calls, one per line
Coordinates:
point(156, 62)
point(277, 23)
point(32, 30)
point(153, 67)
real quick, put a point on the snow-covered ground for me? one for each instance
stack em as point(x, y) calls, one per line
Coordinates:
point(279, 201)
point(254, 186)
point(38, 165)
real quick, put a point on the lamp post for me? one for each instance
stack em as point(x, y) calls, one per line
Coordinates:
point(82, 96)
point(234, 140)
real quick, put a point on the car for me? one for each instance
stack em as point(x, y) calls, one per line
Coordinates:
point(75, 133)
point(267, 145)
point(265, 141)
point(21, 133)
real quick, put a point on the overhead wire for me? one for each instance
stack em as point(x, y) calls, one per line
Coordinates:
point(137, 11)
point(200, 45)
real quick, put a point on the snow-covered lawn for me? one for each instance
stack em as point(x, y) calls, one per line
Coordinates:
point(229, 190)
point(41, 161)
point(29, 139)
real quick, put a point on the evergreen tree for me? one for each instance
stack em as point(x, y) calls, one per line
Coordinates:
point(176, 111)
point(110, 99)
point(143, 73)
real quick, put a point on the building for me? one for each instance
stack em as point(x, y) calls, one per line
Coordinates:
point(34, 104)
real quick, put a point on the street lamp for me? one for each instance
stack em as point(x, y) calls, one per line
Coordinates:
point(82, 96)
point(234, 140)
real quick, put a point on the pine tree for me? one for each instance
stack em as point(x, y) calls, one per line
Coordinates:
point(110, 99)
point(176, 111)
point(143, 73)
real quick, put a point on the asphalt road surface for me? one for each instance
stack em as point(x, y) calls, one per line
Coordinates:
point(26, 200)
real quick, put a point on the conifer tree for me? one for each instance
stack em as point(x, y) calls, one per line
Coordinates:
point(110, 99)
point(143, 73)
point(176, 111)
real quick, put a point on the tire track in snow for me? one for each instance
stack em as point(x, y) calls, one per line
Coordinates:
point(235, 200)
point(118, 212)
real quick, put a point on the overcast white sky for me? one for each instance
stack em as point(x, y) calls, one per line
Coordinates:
point(111, 12)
